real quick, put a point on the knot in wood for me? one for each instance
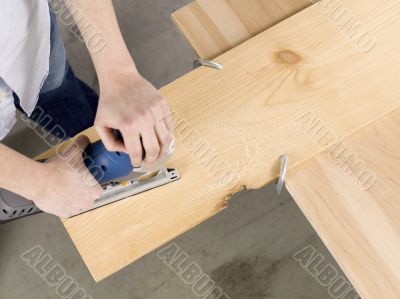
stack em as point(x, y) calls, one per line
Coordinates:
point(288, 57)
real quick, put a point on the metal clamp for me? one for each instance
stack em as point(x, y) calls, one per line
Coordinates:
point(281, 180)
point(205, 62)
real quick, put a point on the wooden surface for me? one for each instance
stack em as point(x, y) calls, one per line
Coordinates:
point(360, 227)
point(241, 119)
point(213, 27)
point(331, 188)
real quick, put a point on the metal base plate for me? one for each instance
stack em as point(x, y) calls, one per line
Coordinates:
point(117, 192)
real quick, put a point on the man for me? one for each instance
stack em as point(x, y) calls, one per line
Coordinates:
point(35, 73)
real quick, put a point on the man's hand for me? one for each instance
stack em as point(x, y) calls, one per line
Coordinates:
point(130, 104)
point(66, 186)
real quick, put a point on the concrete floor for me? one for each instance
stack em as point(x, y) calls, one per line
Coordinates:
point(246, 249)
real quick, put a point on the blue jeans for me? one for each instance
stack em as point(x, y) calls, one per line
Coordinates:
point(69, 102)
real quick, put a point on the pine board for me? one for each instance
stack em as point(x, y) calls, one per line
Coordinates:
point(232, 125)
point(213, 27)
point(358, 219)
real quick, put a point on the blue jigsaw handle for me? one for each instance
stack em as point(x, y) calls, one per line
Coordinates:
point(104, 165)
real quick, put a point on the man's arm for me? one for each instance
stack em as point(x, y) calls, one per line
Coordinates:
point(128, 102)
point(20, 174)
point(62, 186)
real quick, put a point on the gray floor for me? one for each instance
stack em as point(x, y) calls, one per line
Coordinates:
point(247, 249)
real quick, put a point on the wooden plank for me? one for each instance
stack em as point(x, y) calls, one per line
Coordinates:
point(356, 215)
point(213, 27)
point(233, 124)
point(206, 25)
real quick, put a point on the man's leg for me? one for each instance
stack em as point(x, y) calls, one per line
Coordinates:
point(64, 99)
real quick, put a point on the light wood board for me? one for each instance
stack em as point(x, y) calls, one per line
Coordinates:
point(241, 119)
point(358, 218)
point(213, 27)
point(320, 185)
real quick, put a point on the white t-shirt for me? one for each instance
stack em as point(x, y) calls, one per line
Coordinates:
point(24, 56)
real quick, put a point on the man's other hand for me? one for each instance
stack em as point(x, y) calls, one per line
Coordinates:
point(130, 104)
point(66, 186)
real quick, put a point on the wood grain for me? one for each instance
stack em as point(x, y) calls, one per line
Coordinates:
point(360, 226)
point(232, 125)
point(213, 27)
point(330, 187)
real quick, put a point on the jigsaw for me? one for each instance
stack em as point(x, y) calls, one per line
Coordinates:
point(114, 172)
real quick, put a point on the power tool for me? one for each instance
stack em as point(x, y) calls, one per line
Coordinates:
point(114, 172)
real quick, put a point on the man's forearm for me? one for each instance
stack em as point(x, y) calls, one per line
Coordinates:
point(114, 56)
point(19, 174)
